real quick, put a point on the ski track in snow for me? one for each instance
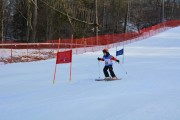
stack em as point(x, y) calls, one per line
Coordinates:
point(150, 90)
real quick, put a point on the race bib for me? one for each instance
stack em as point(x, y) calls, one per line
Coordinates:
point(108, 62)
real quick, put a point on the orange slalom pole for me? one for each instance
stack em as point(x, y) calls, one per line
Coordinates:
point(55, 74)
point(56, 64)
point(70, 71)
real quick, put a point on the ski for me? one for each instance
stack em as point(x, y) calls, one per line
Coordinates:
point(107, 79)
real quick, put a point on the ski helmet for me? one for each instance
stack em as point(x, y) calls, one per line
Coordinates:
point(105, 50)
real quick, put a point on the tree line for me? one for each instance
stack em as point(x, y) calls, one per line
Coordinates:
point(41, 20)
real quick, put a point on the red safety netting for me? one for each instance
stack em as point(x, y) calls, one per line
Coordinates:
point(83, 45)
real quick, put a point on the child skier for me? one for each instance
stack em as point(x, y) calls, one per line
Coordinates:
point(108, 64)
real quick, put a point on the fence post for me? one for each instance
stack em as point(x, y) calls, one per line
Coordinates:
point(11, 55)
point(27, 50)
point(76, 47)
point(39, 49)
point(113, 40)
point(85, 43)
point(92, 45)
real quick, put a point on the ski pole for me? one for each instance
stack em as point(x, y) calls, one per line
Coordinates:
point(99, 69)
point(123, 68)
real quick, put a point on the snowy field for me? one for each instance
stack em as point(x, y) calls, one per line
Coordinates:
point(150, 90)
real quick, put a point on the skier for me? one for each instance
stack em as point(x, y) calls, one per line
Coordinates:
point(108, 65)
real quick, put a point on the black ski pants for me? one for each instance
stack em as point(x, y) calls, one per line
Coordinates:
point(110, 70)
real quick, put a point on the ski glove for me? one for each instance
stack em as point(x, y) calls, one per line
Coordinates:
point(98, 58)
point(117, 61)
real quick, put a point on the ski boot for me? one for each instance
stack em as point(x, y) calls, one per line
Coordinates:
point(107, 78)
point(114, 78)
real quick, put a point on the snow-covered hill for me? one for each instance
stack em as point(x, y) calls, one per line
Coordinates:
point(150, 90)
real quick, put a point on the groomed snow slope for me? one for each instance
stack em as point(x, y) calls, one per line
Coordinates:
point(150, 91)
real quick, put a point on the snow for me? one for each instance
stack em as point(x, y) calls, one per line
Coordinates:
point(150, 90)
